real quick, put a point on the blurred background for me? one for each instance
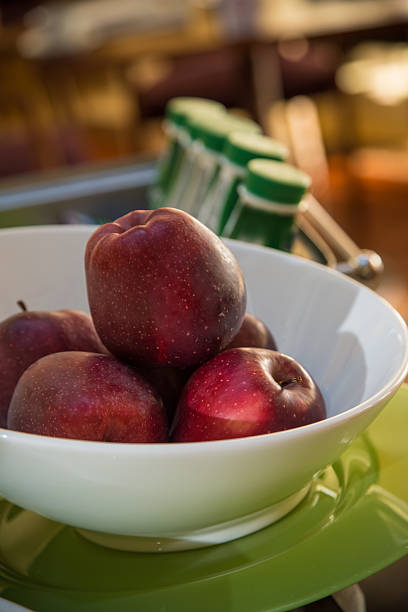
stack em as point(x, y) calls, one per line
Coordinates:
point(84, 84)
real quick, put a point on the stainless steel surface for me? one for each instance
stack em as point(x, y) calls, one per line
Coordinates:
point(367, 266)
point(363, 265)
point(97, 194)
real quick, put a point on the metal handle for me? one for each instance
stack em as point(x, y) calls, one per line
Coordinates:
point(364, 265)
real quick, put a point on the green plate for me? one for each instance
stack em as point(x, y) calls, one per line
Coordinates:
point(353, 523)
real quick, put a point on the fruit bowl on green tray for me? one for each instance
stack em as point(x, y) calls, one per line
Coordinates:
point(168, 497)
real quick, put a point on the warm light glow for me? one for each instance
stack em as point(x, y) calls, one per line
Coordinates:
point(382, 76)
point(293, 50)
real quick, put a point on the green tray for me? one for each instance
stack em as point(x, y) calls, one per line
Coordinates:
point(353, 523)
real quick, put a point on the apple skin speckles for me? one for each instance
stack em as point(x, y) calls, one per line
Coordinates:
point(253, 333)
point(246, 392)
point(163, 289)
point(30, 335)
point(87, 396)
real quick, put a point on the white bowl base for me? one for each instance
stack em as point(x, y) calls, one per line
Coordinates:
point(216, 534)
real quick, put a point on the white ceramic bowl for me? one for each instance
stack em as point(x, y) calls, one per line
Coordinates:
point(172, 496)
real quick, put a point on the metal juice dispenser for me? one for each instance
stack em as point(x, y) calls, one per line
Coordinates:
point(268, 202)
point(189, 161)
point(239, 149)
point(178, 141)
point(211, 134)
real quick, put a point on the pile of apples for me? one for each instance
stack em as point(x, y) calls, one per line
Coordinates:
point(169, 353)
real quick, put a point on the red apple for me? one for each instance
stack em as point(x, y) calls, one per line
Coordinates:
point(163, 289)
point(169, 383)
point(246, 392)
point(253, 333)
point(27, 336)
point(87, 396)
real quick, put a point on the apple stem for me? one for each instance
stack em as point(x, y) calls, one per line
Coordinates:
point(285, 383)
point(22, 305)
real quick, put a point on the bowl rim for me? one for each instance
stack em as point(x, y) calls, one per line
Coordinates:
point(382, 394)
